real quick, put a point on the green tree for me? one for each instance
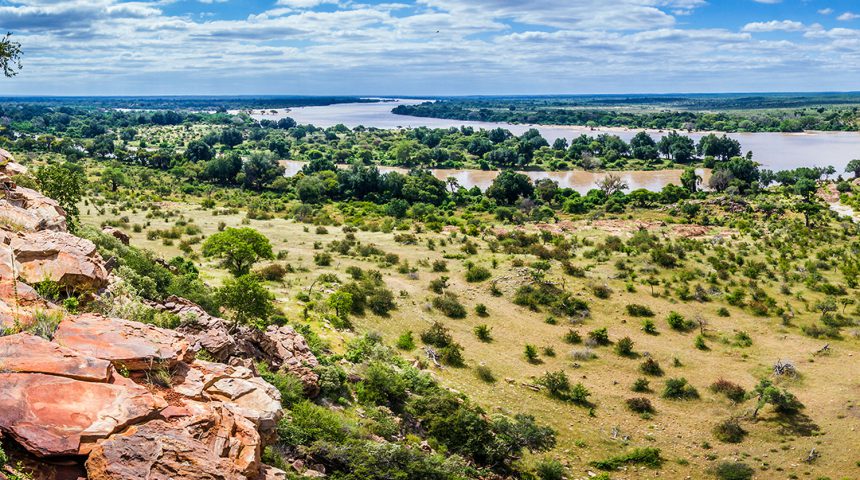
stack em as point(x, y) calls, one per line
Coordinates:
point(114, 177)
point(783, 401)
point(10, 56)
point(260, 169)
point(510, 186)
point(690, 180)
point(238, 248)
point(247, 300)
point(64, 182)
point(341, 302)
point(853, 167)
point(198, 151)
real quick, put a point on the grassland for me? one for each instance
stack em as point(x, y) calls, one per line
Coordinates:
point(777, 446)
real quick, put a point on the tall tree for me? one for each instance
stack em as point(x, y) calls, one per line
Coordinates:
point(10, 56)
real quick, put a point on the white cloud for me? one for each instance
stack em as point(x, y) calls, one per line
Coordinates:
point(848, 16)
point(773, 26)
point(825, 11)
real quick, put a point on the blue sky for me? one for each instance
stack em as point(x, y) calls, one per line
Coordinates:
point(432, 47)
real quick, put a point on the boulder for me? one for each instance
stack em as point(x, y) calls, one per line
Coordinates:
point(51, 415)
point(226, 434)
point(134, 346)
point(25, 353)
point(59, 256)
point(158, 451)
point(31, 211)
point(287, 349)
point(117, 234)
point(238, 388)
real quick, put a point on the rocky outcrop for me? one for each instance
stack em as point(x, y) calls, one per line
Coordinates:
point(55, 415)
point(59, 256)
point(129, 345)
point(281, 347)
point(108, 398)
point(117, 234)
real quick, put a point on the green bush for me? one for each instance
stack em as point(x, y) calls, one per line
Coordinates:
point(477, 273)
point(290, 386)
point(484, 373)
point(640, 405)
point(599, 337)
point(649, 457)
point(677, 322)
point(624, 347)
point(549, 469)
point(733, 471)
point(572, 337)
point(381, 385)
point(636, 310)
point(729, 431)
point(450, 305)
point(679, 389)
point(732, 391)
point(484, 333)
point(406, 341)
point(307, 423)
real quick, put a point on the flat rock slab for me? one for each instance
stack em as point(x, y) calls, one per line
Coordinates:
point(25, 353)
point(50, 415)
point(157, 451)
point(131, 345)
point(59, 256)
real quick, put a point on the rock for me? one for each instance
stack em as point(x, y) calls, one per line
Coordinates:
point(31, 211)
point(59, 256)
point(117, 234)
point(51, 415)
point(131, 345)
point(25, 353)
point(287, 349)
point(271, 473)
point(242, 392)
point(226, 434)
point(19, 302)
point(157, 451)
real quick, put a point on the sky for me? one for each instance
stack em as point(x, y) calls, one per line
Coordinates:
point(431, 47)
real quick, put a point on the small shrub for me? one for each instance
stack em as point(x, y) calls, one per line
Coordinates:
point(484, 333)
point(601, 291)
point(732, 391)
point(641, 385)
point(700, 344)
point(452, 355)
point(583, 355)
point(477, 274)
point(729, 431)
point(723, 312)
point(636, 310)
point(599, 337)
point(649, 327)
point(679, 389)
point(624, 347)
point(572, 337)
point(481, 310)
point(549, 469)
point(439, 266)
point(406, 341)
point(531, 353)
point(677, 322)
point(640, 405)
point(733, 471)
point(650, 457)
point(449, 305)
point(437, 335)
point(651, 367)
point(323, 259)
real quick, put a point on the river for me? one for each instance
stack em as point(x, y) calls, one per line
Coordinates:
point(775, 151)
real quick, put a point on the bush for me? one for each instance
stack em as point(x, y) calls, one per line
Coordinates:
point(679, 389)
point(440, 266)
point(641, 385)
point(406, 341)
point(677, 322)
point(531, 353)
point(481, 310)
point(601, 291)
point(599, 337)
point(290, 386)
point(438, 335)
point(477, 274)
point(572, 337)
point(732, 391)
point(449, 305)
point(649, 457)
point(649, 327)
point(484, 333)
point(452, 355)
point(733, 471)
point(307, 423)
point(382, 385)
point(729, 431)
point(640, 405)
point(624, 347)
point(651, 367)
point(557, 383)
point(636, 310)
point(549, 469)
point(323, 259)
point(381, 301)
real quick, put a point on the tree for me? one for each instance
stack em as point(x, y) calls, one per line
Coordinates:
point(223, 169)
point(247, 300)
point(783, 401)
point(611, 184)
point(238, 248)
point(644, 147)
point(853, 167)
point(64, 183)
point(231, 137)
point(114, 177)
point(509, 186)
point(690, 180)
point(10, 56)
point(199, 151)
point(341, 302)
point(260, 170)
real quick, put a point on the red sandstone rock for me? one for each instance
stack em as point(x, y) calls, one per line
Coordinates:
point(61, 257)
point(51, 415)
point(131, 345)
point(25, 353)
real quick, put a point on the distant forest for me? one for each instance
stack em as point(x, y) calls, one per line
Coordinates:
point(187, 103)
point(724, 113)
